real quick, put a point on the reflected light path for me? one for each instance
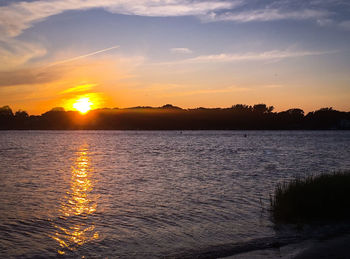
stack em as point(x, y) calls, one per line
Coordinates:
point(78, 207)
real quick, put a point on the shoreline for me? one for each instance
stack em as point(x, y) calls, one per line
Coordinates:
point(332, 247)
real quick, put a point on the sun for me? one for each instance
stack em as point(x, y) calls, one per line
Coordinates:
point(83, 105)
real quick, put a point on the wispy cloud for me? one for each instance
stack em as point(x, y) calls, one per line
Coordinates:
point(345, 25)
point(322, 12)
point(14, 52)
point(264, 15)
point(70, 76)
point(78, 88)
point(262, 56)
point(15, 17)
point(273, 86)
point(231, 89)
point(181, 50)
point(19, 16)
point(29, 76)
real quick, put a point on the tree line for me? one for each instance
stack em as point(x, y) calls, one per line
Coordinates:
point(169, 117)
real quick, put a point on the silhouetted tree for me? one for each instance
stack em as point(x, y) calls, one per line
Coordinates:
point(57, 109)
point(169, 117)
point(241, 108)
point(296, 113)
point(6, 117)
point(262, 108)
point(325, 118)
point(290, 119)
point(6, 111)
point(21, 115)
point(170, 106)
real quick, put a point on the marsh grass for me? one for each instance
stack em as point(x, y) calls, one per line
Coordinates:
point(324, 197)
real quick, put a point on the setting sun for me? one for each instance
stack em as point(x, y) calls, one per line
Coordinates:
point(83, 105)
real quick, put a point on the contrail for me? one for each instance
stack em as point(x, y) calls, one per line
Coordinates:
point(83, 56)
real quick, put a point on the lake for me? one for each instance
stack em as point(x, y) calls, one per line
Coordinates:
point(151, 194)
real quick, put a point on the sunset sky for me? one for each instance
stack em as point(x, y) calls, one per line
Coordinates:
point(124, 53)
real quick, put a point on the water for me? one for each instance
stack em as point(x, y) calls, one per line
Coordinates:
point(150, 194)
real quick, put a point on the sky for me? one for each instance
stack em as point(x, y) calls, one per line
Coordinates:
point(189, 53)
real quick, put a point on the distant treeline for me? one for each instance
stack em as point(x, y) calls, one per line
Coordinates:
point(169, 117)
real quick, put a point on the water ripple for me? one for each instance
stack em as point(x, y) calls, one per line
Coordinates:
point(151, 194)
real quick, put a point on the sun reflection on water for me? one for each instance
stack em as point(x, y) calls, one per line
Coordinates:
point(78, 207)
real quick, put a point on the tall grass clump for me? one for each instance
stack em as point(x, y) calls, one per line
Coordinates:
point(324, 197)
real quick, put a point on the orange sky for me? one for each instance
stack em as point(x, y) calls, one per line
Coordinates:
point(151, 53)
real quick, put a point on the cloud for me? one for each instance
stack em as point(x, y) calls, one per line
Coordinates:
point(181, 50)
point(19, 16)
point(170, 7)
point(345, 25)
point(330, 2)
point(72, 77)
point(79, 88)
point(37, 89)
point(273, 86)
point(320, 11)
point(27, 76)
point(232, 89)
point(14, 52)
point(325, 22)
point(263, 56)
point(265, 15)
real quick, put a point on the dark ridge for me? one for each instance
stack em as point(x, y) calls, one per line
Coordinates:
point(169, 117)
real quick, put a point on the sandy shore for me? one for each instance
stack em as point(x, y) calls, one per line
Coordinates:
point(337, 248)
point(332, 248)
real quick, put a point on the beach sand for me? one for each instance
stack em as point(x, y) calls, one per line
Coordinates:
point(335, 248)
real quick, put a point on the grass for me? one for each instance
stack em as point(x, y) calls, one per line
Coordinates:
point(316, 198)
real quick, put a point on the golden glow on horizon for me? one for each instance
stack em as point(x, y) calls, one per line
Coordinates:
point(83, 105)
point(79, 201)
